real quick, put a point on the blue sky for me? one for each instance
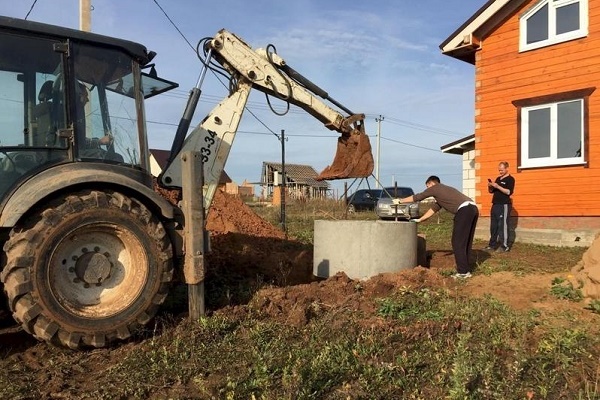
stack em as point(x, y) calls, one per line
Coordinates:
point(377, 58)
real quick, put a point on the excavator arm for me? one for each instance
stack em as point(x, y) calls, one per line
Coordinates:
point(264, 71)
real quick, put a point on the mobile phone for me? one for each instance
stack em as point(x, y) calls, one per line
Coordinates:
point(489, 180)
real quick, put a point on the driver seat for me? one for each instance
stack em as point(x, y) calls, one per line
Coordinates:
point(42, 115)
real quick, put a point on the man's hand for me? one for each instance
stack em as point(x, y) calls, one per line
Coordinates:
point(416, 220)
point(106, 139)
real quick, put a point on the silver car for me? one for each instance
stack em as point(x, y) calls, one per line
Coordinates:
point(387, 210)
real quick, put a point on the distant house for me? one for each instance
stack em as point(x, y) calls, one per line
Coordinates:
point(158, 160)
point(245, 190)
point(465, 147)
point(300, 182)
point(535, 65)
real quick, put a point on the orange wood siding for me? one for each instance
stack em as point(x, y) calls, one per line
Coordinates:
point(504, 75)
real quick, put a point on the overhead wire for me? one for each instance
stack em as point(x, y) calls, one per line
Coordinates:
point(31, 9)
point(214, 67)
point(218, 69)
point(426, 128)
point(173, 23)
point(411, 145)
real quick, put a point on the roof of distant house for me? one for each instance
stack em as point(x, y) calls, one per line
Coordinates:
point(301, 174)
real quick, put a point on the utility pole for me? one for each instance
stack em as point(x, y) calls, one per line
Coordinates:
point(282, 139)
point(85, 15)
point(378, 120)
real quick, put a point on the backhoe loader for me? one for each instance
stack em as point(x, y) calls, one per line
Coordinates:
point(90, 249)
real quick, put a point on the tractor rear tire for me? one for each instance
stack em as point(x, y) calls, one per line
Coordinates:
point(88, 270)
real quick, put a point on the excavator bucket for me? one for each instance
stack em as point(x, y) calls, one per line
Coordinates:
point(353, 157)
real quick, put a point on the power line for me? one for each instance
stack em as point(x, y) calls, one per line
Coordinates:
point(411, 145)
point(426, 128)
point(175, 26)
point(217, 100)
point(194, 50)
point(31, 9)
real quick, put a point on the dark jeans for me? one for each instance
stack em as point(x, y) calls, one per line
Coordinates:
point(463, 232)
point(499, 225)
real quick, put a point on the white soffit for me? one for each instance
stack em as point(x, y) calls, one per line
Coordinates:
point(465, 35)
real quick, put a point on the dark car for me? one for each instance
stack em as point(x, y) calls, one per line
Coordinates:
point(386, 209)
point(363, 200)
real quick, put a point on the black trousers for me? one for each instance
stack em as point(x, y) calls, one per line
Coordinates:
point(463, 232)
point(499, 225)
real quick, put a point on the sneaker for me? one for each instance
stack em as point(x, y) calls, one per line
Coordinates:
point(502, 249)
point(462, 276)
point(489, 248)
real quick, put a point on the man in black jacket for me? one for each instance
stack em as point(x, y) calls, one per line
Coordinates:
point(502, 189)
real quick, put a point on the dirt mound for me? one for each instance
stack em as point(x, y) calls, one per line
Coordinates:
point(229, 214)
point(586, 273)
point(245, 247)
point(246, 250)
point(297, 305)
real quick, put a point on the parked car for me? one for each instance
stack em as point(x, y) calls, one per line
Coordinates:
point(387, 210)
point(363, 200)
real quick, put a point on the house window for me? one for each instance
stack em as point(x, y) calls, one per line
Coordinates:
point(553, 21)
point(553, 129)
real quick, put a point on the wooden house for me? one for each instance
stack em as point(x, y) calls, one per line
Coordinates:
point(300, 181)
point(536, 106)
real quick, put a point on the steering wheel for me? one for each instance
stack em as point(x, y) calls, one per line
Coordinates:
point(19, 162)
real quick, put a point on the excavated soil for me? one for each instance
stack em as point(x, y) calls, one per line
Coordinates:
point(246, 246)
point(586, 274)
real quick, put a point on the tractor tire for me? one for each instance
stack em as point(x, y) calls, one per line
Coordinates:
point(88, 270)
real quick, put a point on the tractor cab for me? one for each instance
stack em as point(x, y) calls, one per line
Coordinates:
point(70, 96)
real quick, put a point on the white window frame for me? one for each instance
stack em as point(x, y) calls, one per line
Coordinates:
point(552, 159)
point(553, 38)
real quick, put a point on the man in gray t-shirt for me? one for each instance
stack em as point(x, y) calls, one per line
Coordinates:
point(465, 219)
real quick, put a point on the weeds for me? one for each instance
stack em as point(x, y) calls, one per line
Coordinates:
point(563, 289)
point(411, 305)
point(594, 306)
point(419, 343)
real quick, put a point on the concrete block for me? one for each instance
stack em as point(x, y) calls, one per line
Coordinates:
point(363, 249)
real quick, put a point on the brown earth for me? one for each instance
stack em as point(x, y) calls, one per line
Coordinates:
point(246, 246)
point(587, 272)
point(249, 251)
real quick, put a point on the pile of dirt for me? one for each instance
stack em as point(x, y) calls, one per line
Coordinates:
point(228, 214)
point(297, 305)
point(586, 273)
point(246, 247)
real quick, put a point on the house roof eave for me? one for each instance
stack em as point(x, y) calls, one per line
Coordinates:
point(463, 42)
point(459, 146)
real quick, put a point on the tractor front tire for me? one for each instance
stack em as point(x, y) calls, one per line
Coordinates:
point(88, 270)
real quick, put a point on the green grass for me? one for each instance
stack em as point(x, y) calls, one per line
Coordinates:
point(427, 343)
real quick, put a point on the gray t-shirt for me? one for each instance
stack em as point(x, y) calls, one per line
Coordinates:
point(446, 197)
